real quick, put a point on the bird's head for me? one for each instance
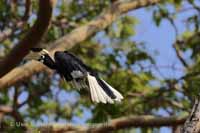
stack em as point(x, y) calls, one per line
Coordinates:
point(38, 54)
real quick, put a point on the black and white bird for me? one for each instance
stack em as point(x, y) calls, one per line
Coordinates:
point(75, 71)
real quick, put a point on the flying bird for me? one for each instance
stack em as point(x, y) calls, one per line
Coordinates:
point(79, 74)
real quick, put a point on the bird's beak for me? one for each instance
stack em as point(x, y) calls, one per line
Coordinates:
point(35, 54)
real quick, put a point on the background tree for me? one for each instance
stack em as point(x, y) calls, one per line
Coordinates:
point(102, 34)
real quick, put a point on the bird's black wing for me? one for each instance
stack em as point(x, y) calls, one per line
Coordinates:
point(94, 74)
point(71, 66)
point(79, 61)
point(82, 76)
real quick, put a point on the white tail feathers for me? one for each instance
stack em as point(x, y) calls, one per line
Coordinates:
point(98, 94)
point(119, 97)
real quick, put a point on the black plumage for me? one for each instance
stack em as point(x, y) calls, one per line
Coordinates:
point(82, 76)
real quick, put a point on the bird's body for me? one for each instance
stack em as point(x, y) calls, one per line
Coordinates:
point(80, 75)
point(70, 66)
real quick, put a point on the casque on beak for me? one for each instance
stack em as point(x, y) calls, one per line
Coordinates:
point(32, 56)
point(35, 55)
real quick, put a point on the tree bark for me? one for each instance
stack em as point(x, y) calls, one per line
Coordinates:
point(192, 124)
point(78, 35)
point(117, 124)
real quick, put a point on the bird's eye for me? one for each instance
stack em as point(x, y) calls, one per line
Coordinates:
point(42, 56)
point(41, 59)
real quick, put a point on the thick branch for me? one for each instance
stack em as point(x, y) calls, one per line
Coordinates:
point(32, 38)
point(76, 36)
point(192, 125)
point(82, 33)
point(116, 124)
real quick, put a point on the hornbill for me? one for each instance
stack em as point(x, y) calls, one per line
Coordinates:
point(79, 74)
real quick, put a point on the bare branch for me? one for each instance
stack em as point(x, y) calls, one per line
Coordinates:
point(180, 54)
point(6, 109)
point(116, 124)
point(76, 36)
point(32, 38)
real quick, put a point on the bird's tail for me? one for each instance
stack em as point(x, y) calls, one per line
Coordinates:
point(102, 91)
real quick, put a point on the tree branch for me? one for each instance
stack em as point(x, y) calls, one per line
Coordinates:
point(31, 39)
point(6, 109)
point(76, 36)
point(192, 124)
point(27, 10)
point(180, 54)
point(117, 124)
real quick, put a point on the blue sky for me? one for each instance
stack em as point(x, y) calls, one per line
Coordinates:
point(159, 39)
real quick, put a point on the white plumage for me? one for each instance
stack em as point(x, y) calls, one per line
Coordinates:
point(77, 74)
point(98, 94)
